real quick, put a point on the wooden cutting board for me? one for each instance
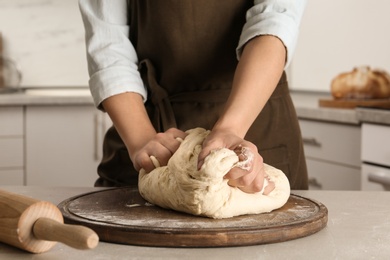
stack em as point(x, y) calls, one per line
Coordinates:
point(353, 103)
point(121, 215)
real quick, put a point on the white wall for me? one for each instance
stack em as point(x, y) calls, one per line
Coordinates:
point(46, 38)
point(337, 35)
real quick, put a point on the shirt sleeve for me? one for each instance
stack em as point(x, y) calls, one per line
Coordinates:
point(112, 59)
point(280, 18)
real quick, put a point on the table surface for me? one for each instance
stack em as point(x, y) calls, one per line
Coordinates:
point(358, 228)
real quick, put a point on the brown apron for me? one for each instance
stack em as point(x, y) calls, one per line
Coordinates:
point(187, 59)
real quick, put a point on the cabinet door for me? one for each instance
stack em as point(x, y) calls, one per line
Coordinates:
point(11, 152)
point(376, 144)
point(11, 121)
point(63, 145)
point(331, 142)
point(328, 176)
point(12, 176)
point(11, 145)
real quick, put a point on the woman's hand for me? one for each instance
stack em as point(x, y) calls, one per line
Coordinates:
point(249, 175)
point(162, 146)
point(256, 76)
point(128, 113)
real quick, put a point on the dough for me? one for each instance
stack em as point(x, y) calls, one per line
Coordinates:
point(180, 186)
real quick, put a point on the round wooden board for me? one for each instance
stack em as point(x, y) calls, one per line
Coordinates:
point(121, 215)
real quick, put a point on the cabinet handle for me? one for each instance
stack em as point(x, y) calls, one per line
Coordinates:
point(97, 135)
point(379, 177)
point(99, 132)
point(311, 141)
point(102, 122)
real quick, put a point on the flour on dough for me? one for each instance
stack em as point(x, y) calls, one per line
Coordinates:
point(180, 186)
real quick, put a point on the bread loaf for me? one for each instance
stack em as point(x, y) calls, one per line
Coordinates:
point(361, 83)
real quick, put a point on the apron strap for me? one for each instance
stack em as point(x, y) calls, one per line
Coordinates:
point(164, 116)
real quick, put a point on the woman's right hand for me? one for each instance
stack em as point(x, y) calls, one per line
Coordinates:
point(127, 112)
point(162, 146)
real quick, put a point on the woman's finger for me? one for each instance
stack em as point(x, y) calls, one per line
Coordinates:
point(143, 161)
point(159, 150)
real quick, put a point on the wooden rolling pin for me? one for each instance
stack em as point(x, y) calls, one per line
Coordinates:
point(36, 226)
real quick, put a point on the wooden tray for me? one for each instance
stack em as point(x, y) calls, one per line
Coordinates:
point(121, 215)
point(353, 103)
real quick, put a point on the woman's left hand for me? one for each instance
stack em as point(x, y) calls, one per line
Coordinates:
point(249, 176)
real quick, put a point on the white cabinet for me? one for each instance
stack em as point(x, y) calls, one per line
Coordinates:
point(11, 145)
point(375, 177)
point(332, 153)
point(331, 176)
point(63, 144)
point(375, 157)
point(376, 144)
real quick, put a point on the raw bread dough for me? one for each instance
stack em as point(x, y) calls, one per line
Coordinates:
point(180, 186)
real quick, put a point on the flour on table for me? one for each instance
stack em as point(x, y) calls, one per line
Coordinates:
point(180, 186)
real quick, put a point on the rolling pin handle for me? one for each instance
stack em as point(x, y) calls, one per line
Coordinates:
point(75, 236)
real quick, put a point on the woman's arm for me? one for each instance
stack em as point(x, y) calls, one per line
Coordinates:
point(128, 113)
point(266, 46)
point(257, 74)
point(279, 18)
point(112, 59)
point(256, 77)
point(116, 85)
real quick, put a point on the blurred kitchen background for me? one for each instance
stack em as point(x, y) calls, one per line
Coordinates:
point(39, 129)
point(46, 39)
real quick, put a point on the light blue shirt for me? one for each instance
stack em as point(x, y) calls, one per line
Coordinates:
point(112, 59)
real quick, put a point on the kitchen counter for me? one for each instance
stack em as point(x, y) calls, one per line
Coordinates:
point(358, 228)
point(373, 115)
point(307, 107)
point(306, 104)
point(47, 96)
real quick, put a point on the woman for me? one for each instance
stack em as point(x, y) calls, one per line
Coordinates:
point(159, 68)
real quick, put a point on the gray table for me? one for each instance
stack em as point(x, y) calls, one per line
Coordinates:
point(358, 228)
